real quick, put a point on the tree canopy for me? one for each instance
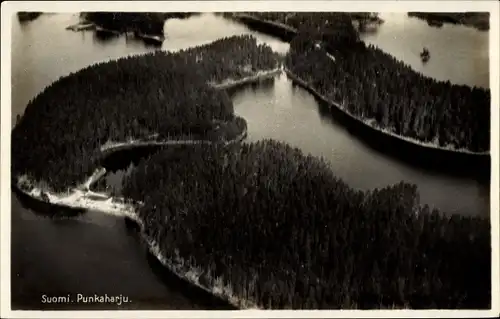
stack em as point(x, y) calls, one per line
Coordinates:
point(144, 22)
point(58, 139)
point(284, 232)
point(373, 85)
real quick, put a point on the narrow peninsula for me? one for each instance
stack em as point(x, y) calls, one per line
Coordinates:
point(262, 225)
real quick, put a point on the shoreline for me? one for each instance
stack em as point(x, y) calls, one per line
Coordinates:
point(477, 20)
point(262, 75)
point(81, 199)
point(259, 76)
point(81, 26)
point(282, 31)
point(268, 22)
point(26, 16)
point(191, 275)
point(366, 122)
point(85, 26)
point(101, 29)
point(175, 264)
point(265, 27)
point(73, 195)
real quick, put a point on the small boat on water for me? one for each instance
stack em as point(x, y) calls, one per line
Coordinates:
point(425, 55)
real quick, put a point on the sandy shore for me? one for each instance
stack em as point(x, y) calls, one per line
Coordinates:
point(82, 197)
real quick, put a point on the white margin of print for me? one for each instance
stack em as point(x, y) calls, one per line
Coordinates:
point(8, 9)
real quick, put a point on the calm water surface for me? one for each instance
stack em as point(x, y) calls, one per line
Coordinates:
point(458, 53)
point(95, 254)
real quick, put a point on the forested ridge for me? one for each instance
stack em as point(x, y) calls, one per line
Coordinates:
point(144, 22)
point(297, 19)
point(284, 232)
point(398, 99)
point(28, 16)
point(57, 141)
point(480, 20)
point(373, 85)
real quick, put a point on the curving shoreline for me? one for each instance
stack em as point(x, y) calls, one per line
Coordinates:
point(168, 260)
point(82, 198)
point(304, 84)
point(282, 31)
point(259, 76)
point(71, 198)
point(85, 26)
point(191, 275)
point(278, 29)
point(457, 162)
point(477, 20)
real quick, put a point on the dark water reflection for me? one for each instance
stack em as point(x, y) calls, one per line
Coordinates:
point(458, 53)
point(93, 253)
point(286, 112)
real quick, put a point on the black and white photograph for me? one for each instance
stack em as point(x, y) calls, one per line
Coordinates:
point(235, 156)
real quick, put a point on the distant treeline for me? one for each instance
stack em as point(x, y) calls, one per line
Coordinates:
point(57, 140)
point(144, 22)
point(282, 231)
point(373, 85)
point(479, 20)
point(297, 19)
point(274, 224)
point(28, 16)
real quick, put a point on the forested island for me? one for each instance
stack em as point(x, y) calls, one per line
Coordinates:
point(28, 16)
point(286, 25)
point(282, 231)
point(150, 23)
point(297, 19)
point(275, 227)
point(161, 94)
point(478, 20)
point(381, 91)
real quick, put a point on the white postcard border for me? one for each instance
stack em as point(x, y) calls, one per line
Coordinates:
point(8, 10)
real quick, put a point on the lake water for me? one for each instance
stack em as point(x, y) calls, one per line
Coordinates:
point(95, 254)
point(458, 53)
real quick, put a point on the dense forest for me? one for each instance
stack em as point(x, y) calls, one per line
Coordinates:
point(373, 85)
point(58, 139)
point(28, 16)
point(479, 20)
point(298, 19)
point(144, 22)
point(284, 232)
point(276, 225)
